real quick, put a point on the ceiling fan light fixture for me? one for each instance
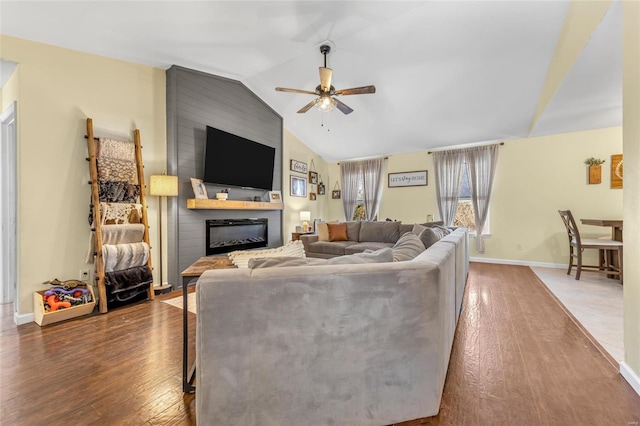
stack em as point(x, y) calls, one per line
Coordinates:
point(326, 104)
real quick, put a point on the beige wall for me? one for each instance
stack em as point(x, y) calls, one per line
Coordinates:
point(631, 136)
point(59, 89)
point(9, 92)
point(294, 149)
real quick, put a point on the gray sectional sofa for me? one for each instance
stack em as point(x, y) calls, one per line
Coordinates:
point(328, 344)
point(361, 236)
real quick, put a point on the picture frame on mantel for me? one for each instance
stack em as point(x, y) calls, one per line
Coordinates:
point(275, 196)
point(199, 190)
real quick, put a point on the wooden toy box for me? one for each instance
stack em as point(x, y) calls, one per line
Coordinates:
point(42, 318)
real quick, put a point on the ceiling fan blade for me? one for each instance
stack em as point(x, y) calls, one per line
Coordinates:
point(284, 89)
point(343, 107)
point(307, 107)
point(325, 78)
point(356, 91)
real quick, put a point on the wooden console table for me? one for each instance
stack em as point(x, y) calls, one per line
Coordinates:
point(190, 275)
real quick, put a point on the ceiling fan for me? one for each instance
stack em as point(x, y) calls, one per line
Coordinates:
point(326, 93)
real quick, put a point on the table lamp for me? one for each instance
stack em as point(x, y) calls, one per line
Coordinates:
point(305, 217)
point(162, 186)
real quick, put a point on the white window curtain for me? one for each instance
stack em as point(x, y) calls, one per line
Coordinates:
point(349, 170)
point(482, 162)
point(447, 167)
point(372, 173)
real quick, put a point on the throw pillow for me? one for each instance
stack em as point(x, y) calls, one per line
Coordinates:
point(337, 232)
point(441, 230)
point(417, 229)
point(407, 247)
point(429, 237)
point(323, 231)
point(378, 256)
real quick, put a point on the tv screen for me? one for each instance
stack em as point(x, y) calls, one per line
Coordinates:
point(236, 161)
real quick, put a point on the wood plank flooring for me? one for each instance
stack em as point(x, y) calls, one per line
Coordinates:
point(518, 359)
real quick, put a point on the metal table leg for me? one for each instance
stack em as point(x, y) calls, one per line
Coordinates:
point(187, 375)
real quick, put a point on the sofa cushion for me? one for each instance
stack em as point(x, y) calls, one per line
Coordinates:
point(383, 232)
point(362, 247)
point(441, 230)
point(268, 262)
point(407, 247)
point(429, 237)
point(432, 224)
point(336, 247)
point(378, 256)
point(353, 230)
point(337, 232)
point(405, 227)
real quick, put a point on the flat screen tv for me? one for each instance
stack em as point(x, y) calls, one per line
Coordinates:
point(236, 161)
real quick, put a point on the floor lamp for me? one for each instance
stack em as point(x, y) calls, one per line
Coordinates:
point(162, 186)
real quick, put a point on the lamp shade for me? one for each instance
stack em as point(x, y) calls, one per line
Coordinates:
point(305, 215)
point(163, 185)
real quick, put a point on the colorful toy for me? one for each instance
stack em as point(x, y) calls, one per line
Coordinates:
point(54, 305)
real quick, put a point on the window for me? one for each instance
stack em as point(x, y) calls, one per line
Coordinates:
point(465, 215)
point(360, 213)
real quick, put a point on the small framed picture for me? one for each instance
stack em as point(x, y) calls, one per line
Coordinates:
point(298, 186)
point(335, 194)
point(312, 196)
point(275, 196)
point(321, 188)
point(313, 178)
point(199, 189)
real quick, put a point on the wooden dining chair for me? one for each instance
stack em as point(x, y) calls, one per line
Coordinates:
point(577, 246)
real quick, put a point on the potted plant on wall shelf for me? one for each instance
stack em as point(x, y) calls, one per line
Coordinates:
point(595, 169)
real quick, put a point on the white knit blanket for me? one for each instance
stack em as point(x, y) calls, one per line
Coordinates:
point(116, 234)
point(241, 258)
point(124, 256)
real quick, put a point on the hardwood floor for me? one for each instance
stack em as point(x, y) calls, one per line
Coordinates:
point(518, 359)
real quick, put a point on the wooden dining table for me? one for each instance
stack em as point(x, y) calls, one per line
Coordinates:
point(615, 224)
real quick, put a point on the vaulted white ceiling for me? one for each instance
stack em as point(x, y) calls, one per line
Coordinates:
point(446, 72)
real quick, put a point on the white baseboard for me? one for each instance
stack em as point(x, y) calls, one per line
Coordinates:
point(519, 262)
point(20, 319)
point(630, 376)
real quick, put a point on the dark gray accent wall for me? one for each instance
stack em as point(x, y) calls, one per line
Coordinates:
point(196, 100)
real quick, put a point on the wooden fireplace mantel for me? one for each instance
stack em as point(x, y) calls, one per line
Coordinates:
point(206, 204)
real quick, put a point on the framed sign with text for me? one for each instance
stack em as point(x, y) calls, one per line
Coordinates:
point(417, 178)
point(298, 166)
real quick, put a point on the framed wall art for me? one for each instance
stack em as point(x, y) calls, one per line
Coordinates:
point(298, 166)
point(616, 171)
point(313, 178)
point(417, 178)
point(298, 186)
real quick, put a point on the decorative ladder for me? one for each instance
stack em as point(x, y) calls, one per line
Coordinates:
point(95, 200)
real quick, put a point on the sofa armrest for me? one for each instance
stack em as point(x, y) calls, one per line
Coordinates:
point(308, 239)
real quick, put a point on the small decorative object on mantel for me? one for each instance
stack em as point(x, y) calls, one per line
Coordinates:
point(595, 170)
point(298, 166)
point(199, 189)
point(336, 193)
point(222, 195)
